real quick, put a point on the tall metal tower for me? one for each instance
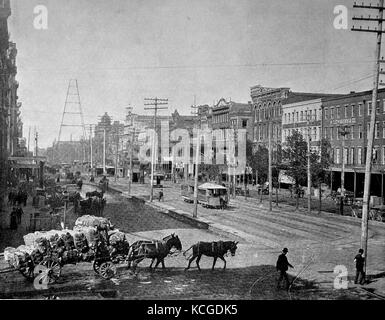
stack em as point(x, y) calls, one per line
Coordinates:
point(72, 106)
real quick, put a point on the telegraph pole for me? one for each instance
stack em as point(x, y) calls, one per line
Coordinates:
point(270, 169)
point(368, 165)
point(197, 154)
point(308, 165)
point(91, 158)
point(155, 102)
point(104, 151)
point(131, 155)
point(343, 132)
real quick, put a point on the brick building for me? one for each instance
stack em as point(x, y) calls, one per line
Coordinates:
point(350, 114)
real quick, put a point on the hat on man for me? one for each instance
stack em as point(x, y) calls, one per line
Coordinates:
point(285, 250)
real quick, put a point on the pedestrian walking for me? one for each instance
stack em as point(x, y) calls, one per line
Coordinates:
point(13, 219)
point(19, 213)
point(360, 262)
point(282, 266)
point(161, 195)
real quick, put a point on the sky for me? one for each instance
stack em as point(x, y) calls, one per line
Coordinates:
point(122, 51)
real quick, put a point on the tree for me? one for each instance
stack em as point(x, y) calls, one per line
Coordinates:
point(295, 160)
point(210, 171)
point(320, 174)
point(258, 160)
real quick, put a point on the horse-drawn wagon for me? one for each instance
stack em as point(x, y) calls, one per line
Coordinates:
point(92, 240)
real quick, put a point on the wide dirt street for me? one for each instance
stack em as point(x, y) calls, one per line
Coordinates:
point(316, 246)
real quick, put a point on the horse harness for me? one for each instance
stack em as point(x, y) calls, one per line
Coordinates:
point(217, 247)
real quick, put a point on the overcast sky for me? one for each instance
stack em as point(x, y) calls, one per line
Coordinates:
point(122, 51)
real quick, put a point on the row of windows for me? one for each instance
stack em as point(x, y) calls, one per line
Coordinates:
point(263, 113)
point(357, 156)
point(353, 110)
point(261, 132)
point(297, 116)
point(313, 132)
point(354, 132)
point(221, 118)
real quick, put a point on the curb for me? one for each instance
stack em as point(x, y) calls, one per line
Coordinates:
point(185, 217)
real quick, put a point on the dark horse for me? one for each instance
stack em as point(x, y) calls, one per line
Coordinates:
point(157, 249)
point(211, 249)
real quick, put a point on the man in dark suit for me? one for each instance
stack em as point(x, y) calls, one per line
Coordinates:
point(360, 262)
point(282, 266)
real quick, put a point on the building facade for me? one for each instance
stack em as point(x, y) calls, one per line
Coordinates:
point(346, 123)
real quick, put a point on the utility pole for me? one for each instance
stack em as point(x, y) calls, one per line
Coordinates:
point(131, 155)
point(197, 154)
point(308, 165)
point(270, 169)
point(343, 132)
point(116, 155)
point(91, 152)
point(365, 209)
point(104, 151)
point(155, 102)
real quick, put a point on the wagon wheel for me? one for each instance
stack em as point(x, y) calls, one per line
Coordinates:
point(53, 269)
point(96, 265)
point(27, 272)
point(107, 270)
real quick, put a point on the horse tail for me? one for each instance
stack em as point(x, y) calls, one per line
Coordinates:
point(184, 253)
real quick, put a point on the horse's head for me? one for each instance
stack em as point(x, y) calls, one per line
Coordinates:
point(233, 248)
point(173, 241)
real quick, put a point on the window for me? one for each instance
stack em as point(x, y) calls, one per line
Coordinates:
point(378, 107)
point(377, 130)
point(297, 116)
point(360, 133)
point(325, 113)
point(288, 118)
point(360, 109)
point(244, 123)
point(352, 132)
point(383, 155)
point(346, 156)
point(383, 129)
point(367, 129)
point(337, 159)
point(310, 115)
point(375, 155)
point(346, 111)
point(284, 117)
point(352, 160)
point(359, 156)
point(383, 105)
point(352, 110)
point(338, 112)
point(369, 108)
point(315, 115)
point(301, 115)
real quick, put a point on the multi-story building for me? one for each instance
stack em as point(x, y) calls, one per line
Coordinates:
point(305, 117)
point(5, 71)
point(346, 123)
point(268, 109)
point(230, 114)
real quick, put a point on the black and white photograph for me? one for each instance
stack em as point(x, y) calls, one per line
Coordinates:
point(218, 151)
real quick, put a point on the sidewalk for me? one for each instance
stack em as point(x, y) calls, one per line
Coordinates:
point(14, 238)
